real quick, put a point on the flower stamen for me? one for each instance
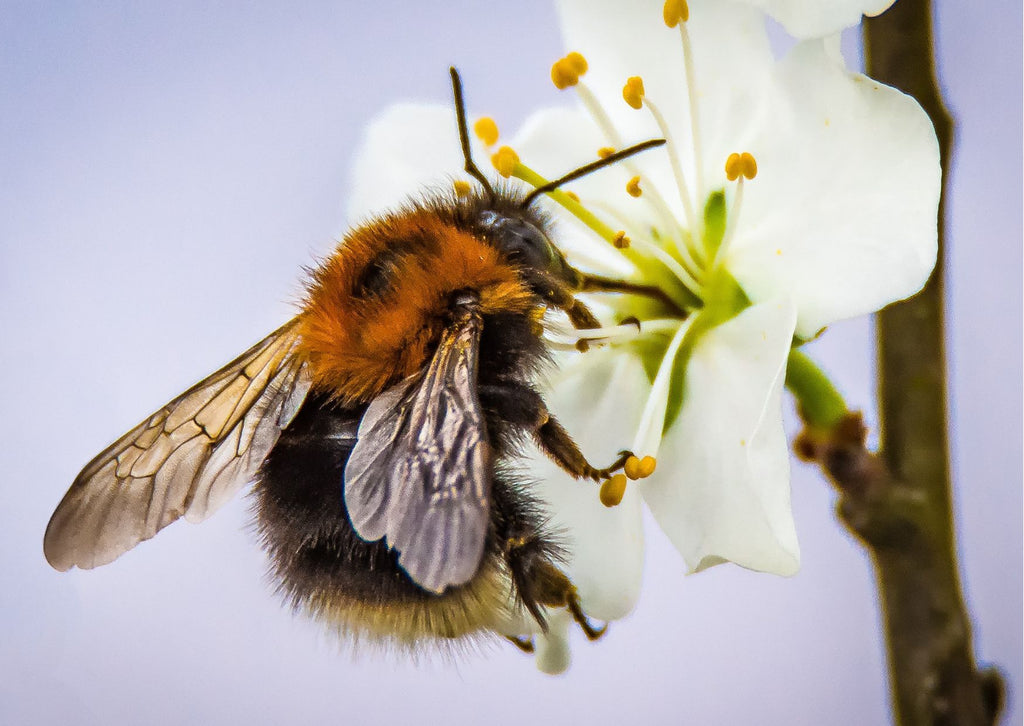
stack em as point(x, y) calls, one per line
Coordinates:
point(505, 161)
point(687, 271)
point(691, 90)
point(462, 188)
point(633, 92)
point(633, 187)
point(486, 130)
point(675, 12)
point(738, 165)
point(566, 71)
point(612, 490)
point(677, 167)
point(737, 168)
point(635, 468)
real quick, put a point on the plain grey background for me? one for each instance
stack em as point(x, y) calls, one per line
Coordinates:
point(166, 170)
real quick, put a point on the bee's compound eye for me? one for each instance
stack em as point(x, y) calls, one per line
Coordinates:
point(521, 241)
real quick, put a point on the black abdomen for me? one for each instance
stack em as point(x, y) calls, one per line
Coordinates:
point(321, 565)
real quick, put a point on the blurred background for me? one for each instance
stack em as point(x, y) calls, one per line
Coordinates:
point(165, 172)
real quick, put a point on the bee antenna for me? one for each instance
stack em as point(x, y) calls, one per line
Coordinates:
point(460, 115)
point(592, 166)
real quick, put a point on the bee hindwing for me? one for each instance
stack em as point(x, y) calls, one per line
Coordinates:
point(186, 459)
point(420, 472)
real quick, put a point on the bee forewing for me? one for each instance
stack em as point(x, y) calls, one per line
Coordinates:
point(187, 459)
point(420, 472)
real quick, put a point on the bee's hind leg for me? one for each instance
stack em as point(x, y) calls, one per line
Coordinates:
point(524, 644)
point(554, 589)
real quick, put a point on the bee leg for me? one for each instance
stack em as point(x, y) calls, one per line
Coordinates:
point(554, 589)
point(578, 313)
point(556, 442)
point(582, 620)
point(520, 405)
point(524, 644)
point(596, 283)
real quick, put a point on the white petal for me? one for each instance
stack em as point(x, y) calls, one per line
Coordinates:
point(732, 63)
point(598, 400)
point(818, 18)
point(556, 141)
point(842, 214)
point(551, 650)
point(406, 150)
point(721, 489)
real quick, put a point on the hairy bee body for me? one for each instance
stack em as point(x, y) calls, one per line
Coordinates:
point(404, 268)
point(380, 428)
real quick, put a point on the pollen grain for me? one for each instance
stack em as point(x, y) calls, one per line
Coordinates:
point(740, 165)
point(486, 130)
point(566, 71)
point(633, 92)
point(675, 12)
point(505, 161)
point(612, 490)
point(635, 468)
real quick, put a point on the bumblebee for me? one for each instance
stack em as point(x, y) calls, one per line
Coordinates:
point(378, 427)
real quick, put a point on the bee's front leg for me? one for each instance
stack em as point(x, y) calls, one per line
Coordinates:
point(520, 405)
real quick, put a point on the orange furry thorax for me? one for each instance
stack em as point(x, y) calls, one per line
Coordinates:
point(375, 309)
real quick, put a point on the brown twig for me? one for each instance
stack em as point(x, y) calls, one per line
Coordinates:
point(898, 502)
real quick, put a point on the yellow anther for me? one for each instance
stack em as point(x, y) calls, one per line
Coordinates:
point(582, 345)
point(612, 490)
point(572, 195)
point(577, 62)
point(505, 161)
point(567, 71)
point(738, 165)
point(605, 151)
point(462, 188)
point(633, 92)
point(621, 241)
point(486, 130)
point(675, 12)
point(633, 187)
point(639, 468)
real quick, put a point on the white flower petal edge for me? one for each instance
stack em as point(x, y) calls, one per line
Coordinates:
point(604, 546)
point(551, 650)
point(818, 18)
point(842, 215)
point(721, 491)
point(407, 149)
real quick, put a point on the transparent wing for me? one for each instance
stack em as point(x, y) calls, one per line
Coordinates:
point(420, 472)
point(186, 459)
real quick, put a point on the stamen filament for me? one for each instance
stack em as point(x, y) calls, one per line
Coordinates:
point(597, 335)
point(604, 122)
point(683, 275)
point(691, 90)
point(732, 218)
point(677, 170)
point(687, 272)
point(557, 333)
point(528, 175)
point(652, 421)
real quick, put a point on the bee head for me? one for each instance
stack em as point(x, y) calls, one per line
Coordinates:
point(524, 243)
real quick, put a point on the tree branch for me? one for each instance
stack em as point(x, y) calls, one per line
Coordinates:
point(898, 502)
